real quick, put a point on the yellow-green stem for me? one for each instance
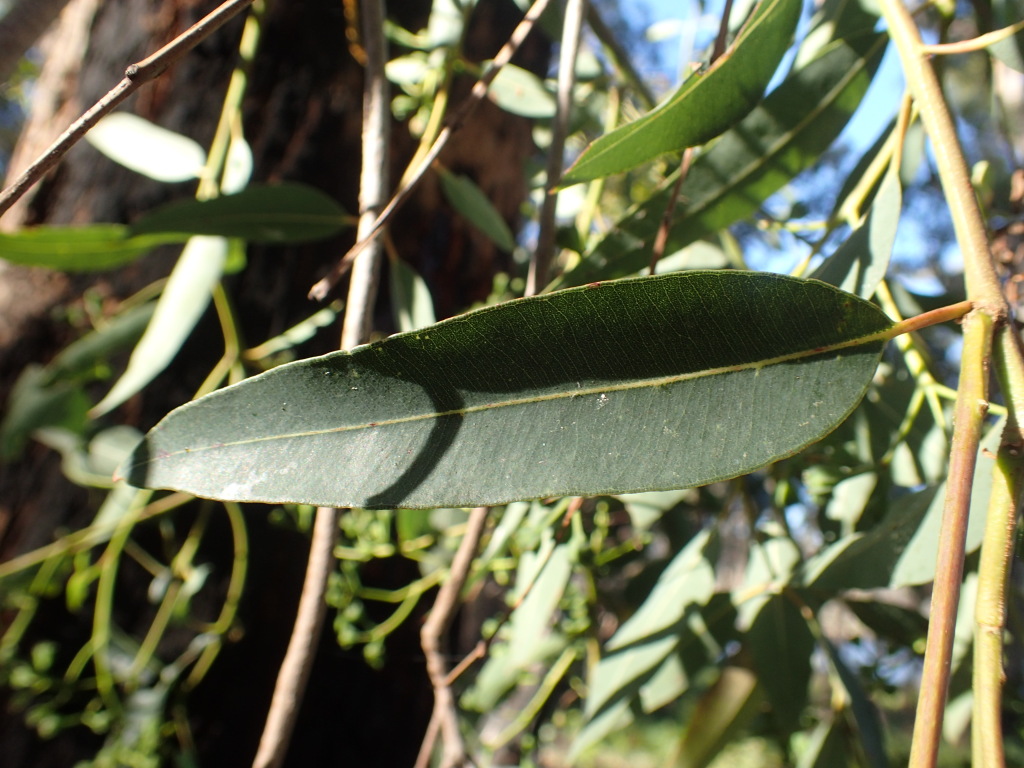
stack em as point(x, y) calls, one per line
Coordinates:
point(969, 414)
point(994, 567)
point(983, 289)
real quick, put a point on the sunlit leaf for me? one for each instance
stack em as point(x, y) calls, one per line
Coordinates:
point(706, 104)
point(781, 137)
point(145, 148)
point(185, 297)
point(517, 401)
point(411, 301)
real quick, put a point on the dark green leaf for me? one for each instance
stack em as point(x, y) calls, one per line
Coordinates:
point(706, 104)
point(699, 376)
point(470, 201)
point(781, 643)
point(282, 213)
point(865, 714)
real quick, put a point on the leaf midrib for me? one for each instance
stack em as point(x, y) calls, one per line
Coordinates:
point(651, 383)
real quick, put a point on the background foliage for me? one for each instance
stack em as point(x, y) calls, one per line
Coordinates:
point(776, 618)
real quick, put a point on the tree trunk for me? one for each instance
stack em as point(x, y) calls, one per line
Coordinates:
point(303, 123)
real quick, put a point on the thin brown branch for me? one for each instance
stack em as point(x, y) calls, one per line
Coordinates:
point(320, 290)
point(294, 674)
point(295, 668)
point(723, 33)
point(444, 719)
point(540, 264)
point(665, 227)
point(135, 77)
point(661, 238)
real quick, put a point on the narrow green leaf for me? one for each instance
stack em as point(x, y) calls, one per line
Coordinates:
point(869, 729)
point(146, 148)
point(706, 104)
point(77, 249)
point(470, 201)
point(900, 550)
point(638, 649)
point(54, 395)
point(781, 644)
point(282, 213)
point(700, 376)
point(179, 308)
point(860, 263)
point(781, 137)
point(722, 713)
point(411, 302)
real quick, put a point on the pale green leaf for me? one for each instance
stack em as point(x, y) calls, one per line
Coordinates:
point(411, 302)
point(520, 92)
point(145, 148)
point(516, 401)
point(706, 104)
point(860, 263)
point(179, 308)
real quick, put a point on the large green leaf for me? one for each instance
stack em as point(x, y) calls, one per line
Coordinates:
point(780, 138)
point(644, 384)
point(706, 104)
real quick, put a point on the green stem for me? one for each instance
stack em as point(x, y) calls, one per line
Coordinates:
point(972, 400)
point(968, 419)
point(994, 567)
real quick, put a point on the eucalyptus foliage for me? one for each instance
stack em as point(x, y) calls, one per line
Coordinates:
point(716, 492)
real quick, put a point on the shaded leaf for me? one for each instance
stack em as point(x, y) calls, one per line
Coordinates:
point(706, 104)
point(865, 714)
point(721, 714)
point(282, 213)
point(54, 395)
point(636, 652)
point(778, 139)
point(516, 401)
point(900, 550)
point(780, 643)
point(470, 201)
